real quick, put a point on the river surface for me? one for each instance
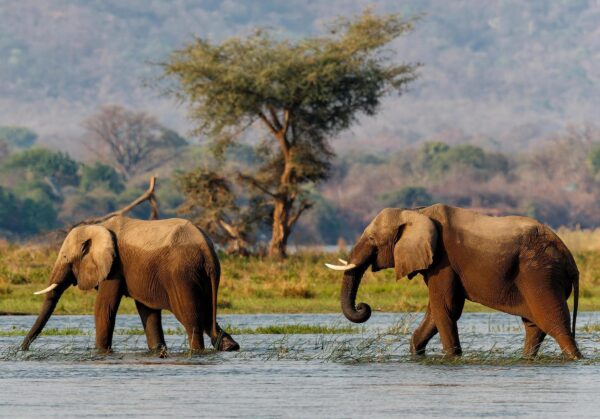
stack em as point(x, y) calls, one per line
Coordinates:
point(367, 373)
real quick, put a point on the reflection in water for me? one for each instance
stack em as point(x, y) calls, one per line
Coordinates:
point(343, 375)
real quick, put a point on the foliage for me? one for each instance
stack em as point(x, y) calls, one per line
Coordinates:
point(25, 216)
point(101, 175)
point(438, 158)
point(230, 218)
point(18, 137)
point(407, 197)
point(300, 92)
point(40, 163)
point(32, 186)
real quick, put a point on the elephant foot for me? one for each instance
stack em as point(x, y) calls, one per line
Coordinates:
point(160, 351)
point(417, 352)
point(573, 356)
point(453, 353)
point(225, 342)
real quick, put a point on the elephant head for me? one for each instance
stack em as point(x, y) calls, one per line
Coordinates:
point(403, 239)
point(85, 259)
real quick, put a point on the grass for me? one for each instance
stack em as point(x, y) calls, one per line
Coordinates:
point(291, 329)
point(325, 344)
point(300, 284)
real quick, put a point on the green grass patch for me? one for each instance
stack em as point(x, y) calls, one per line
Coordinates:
point(299, 284)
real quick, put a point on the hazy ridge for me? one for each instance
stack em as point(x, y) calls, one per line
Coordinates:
point(500, 74)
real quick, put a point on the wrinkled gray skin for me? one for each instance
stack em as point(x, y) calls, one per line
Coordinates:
point(512, 264)
point(161, 264)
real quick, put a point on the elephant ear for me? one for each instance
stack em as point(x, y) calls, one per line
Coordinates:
point(98, 254)
point(414, 249)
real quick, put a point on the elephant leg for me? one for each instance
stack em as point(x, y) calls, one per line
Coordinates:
point(446, 299)
point(185, 301)
point(423, 334)
point(223, 341)
point(550, 312)
point(152, 322)
point(534, 336)
point(105, 312)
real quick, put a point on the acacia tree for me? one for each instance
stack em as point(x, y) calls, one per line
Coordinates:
point(134, 140)
point(301, 93)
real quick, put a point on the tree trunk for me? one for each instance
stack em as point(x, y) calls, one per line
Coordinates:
point(281, 231)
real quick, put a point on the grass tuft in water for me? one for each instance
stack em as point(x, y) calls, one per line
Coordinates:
point(290, 329)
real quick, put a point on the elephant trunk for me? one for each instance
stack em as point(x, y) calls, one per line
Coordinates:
point(59, 277)
point(361, 312)
point(361, 257)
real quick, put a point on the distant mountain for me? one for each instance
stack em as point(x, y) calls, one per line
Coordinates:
point(501, 74)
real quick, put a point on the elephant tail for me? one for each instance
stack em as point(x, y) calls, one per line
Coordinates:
point(212, 268)
point(214, 284)
point(575, 299)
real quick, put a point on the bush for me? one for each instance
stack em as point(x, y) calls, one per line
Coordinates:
point(41, 163)
point(407, 197)
point(103, 176)
point(25, 217)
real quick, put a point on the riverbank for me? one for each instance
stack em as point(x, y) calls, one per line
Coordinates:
point(300, 284)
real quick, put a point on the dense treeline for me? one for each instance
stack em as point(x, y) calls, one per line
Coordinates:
point(41, 189)
point(558, 183)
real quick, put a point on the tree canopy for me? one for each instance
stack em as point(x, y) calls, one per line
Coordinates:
point(301, 93)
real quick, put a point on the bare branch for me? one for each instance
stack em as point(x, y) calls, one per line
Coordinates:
point(304, 205)
point(146, 196)
point(228, 228)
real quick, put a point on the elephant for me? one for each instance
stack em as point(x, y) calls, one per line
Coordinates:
point(165, 264)
point(513, 264)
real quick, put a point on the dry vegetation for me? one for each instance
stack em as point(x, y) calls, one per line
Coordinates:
point(260, 285)
point(581, 240)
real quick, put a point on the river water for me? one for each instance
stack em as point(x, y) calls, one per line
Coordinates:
point(368, 373)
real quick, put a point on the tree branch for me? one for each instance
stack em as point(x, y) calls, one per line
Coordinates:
point(268, 123)
point(286, 123)
point(229, 229)
point(146, 196)
point(256, 184)
point(275, 121)
point(278, 134)
point(304, 205)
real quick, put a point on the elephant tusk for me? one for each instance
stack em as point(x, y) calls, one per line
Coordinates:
point(345, 262)
point(340, 267)
point(44, 291)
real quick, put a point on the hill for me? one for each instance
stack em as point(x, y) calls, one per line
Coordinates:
point(499, 74)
